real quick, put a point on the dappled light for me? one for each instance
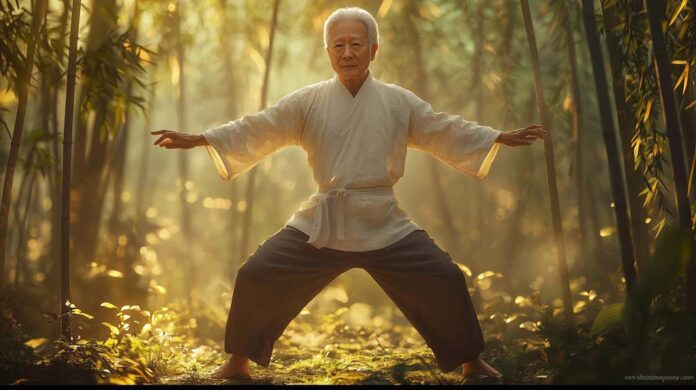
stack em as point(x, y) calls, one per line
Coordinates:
point(185, 181)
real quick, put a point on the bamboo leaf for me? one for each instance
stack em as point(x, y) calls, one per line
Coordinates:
point(514, 317)
point(114, 274)
point(579, 306)
point(489, 274)
point(530, 326)
point(464, 269)
point(608, 319)
point(648, 108)
point(112, 328)
point(683, 78)
point(36, 343)
point(677, 12)
point(81, 313)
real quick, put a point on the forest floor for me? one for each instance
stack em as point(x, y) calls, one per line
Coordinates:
point(348, 345)
point(347, 361)
point(179, 346)
point(352, 367)
point(326, 350)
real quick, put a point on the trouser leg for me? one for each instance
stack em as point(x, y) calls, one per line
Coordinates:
point(271, 288)
point(430, 290)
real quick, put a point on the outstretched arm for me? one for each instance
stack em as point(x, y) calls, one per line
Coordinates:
point(464, 145)
point(237, 146)
point(176, 140)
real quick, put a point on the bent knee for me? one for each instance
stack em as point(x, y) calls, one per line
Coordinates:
point(255, 265)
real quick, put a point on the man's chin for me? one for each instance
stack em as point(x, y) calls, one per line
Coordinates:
point(349, 74)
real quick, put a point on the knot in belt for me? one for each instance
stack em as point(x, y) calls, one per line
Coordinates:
point(320, 234)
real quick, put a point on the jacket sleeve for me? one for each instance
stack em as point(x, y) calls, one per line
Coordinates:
point(235, 147)
point(464, 145)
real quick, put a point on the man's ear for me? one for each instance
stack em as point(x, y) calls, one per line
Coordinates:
point(373, 51)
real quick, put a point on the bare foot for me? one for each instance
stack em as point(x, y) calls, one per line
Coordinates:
point(234, 368)
point(478, 367)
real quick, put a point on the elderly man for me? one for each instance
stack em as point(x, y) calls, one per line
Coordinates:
point(355, 130)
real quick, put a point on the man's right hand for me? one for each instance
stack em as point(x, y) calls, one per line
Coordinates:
point(175, 140)
point(523, 136)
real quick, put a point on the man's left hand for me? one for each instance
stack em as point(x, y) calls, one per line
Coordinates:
point(523, 136)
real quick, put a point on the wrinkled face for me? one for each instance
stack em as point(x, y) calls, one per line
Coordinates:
point(348, 49)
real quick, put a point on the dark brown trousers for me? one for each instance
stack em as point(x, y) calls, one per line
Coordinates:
point(286, 272)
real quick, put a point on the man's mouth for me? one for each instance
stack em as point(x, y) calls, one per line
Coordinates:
point(348, 66)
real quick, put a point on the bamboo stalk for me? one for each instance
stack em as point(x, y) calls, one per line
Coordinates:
point(234, 222)
point(611, 146)
point(656, 14)
point(67, 171)
point(550, 168)
point(578, 134)
point(251, 182)
point(640, 236)
point(421, 88)
point(23, 85)
point(182, 123)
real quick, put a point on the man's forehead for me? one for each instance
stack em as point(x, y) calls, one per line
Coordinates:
point(347, 29)
point(339, 37)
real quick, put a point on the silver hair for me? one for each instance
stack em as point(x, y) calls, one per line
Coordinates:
point(353, 13)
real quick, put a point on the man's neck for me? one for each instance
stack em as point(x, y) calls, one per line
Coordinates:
point(354, 85)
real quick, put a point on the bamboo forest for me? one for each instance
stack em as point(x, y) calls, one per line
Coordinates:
point(129, 256)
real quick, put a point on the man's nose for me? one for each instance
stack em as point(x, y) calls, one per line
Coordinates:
point(347, 53)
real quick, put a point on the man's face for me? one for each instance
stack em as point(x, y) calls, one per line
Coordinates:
point(348, 49)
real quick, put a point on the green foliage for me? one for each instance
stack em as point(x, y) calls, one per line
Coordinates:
point(14, 29)
point(39, 157)
point(14, 354)
point(666, 268)
point(106, 69)
point(608, 319)
point(649, 142)
point(665, 348)
point(141, 345)
point(667, 265)
point(651, 333)
point(526, 339)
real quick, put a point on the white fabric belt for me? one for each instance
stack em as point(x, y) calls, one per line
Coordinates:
point(321, 226)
